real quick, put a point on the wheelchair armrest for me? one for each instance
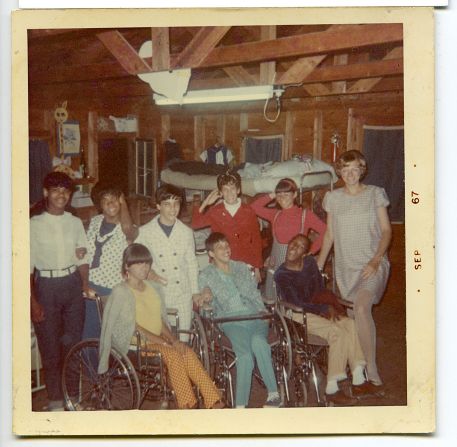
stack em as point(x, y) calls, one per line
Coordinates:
point(261, 316)
point(172, 311)
point(291, 306)
point(345, 303)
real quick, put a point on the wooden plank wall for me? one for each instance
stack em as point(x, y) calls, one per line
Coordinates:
point(197, 131)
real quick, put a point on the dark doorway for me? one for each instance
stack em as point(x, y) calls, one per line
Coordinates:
point(113, 162)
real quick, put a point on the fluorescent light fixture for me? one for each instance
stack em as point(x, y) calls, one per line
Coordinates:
point(251, 93)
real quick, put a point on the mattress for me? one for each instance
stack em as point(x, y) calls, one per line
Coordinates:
point(320, 175)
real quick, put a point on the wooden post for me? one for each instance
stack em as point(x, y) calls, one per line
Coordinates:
point(92, 145)
point(221, 128)
point(359, 134)
point(165, 128)
point(289, 140)
point(350, 130)
point(317, 135)
point(199, 136)
point(244, 122)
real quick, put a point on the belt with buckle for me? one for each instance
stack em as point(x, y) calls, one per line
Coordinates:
point(58, 273)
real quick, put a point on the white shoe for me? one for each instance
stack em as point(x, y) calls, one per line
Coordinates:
point(273, 402)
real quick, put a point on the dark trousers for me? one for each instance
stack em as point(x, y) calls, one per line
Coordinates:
point(63, 305)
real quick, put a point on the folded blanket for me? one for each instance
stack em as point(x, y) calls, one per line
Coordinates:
point(197, 167)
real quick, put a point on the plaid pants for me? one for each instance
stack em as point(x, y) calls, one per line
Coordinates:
point(183, 370)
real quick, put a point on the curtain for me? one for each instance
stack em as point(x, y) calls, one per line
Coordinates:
point(40, 164)
point(383, 148)
point(263, 150)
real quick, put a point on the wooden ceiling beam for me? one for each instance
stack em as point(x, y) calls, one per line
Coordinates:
point(306, 65)
point(41, 100)
point(234, 54)
point(48, 74)
point(338, 60)
point(124, 52)
point(317, 89)
point(372, 69)
point(300, 70)
point(306, 44)
point(268, 69)
point(160, 38)
point(200, 46)
point(133, 87)
point(365, 85)
point(240, 76)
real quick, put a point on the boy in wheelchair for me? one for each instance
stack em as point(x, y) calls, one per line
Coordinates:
point(137, 304)
point(299, 282)
point(233, 291)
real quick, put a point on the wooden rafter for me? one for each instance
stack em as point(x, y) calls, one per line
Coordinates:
point(387, 67)
point(306, 65)
point(300, 70)
point(160, 49)
point(240, 76)
point(267, 69)
point(305, 44)
point(200, 46)
point(317, 89)
point(365, 85)
point(124, 52)
point(338, 60)
point(132, 87)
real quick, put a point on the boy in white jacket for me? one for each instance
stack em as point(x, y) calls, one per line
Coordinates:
point(172, 246)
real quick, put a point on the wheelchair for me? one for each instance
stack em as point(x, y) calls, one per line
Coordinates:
point(217, 349)
point(129, 380)
point(309, 353)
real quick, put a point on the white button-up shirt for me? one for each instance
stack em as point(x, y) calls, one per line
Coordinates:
point(53, 241)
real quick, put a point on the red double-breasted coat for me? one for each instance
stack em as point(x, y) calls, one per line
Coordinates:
point(242, 231)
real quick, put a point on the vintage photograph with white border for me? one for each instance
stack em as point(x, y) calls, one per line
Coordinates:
point(409, 87)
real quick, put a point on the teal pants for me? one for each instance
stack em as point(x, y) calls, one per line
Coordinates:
point(249, 341)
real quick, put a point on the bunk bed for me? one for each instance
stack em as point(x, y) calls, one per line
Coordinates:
point(259, 178)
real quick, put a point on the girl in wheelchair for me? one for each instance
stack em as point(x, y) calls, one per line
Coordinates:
point(137, 304)
point(234, 293)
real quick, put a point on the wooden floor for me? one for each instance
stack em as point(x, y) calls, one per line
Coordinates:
point(390, 317)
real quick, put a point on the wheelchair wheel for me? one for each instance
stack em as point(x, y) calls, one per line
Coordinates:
point(199, 341)
point(85, 389)
point(282, 348)
point(224, 381)
point(301, 394)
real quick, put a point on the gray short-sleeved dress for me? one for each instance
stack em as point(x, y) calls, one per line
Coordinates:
point(357, 233)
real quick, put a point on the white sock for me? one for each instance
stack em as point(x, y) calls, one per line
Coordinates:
point(358, 376)
point(332, 387)
point(272, 395)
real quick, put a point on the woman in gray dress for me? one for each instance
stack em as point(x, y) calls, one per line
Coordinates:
point(359, 228)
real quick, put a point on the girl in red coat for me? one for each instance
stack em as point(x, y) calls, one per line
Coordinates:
point(237, 221)
point(287, 221)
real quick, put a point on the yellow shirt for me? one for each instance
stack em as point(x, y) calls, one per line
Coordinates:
point(148, 309)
